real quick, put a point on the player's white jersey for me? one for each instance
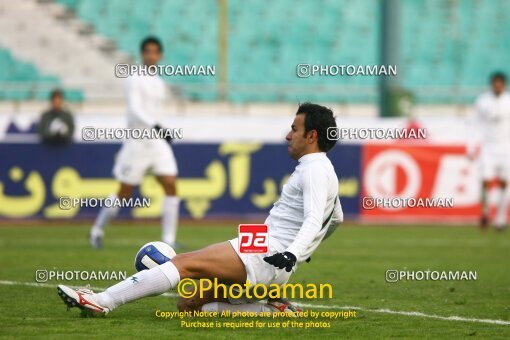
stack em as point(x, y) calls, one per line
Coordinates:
point(491, 122)
point(308, 199)
point(145, 96)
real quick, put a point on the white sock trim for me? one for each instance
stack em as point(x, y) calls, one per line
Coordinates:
point(171, 272)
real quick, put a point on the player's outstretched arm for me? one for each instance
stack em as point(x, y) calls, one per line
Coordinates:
point(314, 200)
point(315, 185)
point(337, 218)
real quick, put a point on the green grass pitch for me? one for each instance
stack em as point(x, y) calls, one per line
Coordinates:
point(354, 260)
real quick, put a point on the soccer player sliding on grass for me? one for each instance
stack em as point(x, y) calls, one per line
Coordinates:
point(307, 212)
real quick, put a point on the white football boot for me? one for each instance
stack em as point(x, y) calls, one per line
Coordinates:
point(82, 298)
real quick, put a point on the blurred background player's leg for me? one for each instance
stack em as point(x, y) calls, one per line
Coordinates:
point(165, 169)
point(130, 166)
point(170, 213)
point(106, 214)
point(494, 166)
point(484, 220)
point(504, 170)
point(500, 221)
point(488, 167)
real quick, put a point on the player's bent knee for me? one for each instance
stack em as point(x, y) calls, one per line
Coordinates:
point(186, 266)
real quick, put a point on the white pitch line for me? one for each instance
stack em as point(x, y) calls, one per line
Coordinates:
point(420, 314)
point(47, 285)
point(308, 305)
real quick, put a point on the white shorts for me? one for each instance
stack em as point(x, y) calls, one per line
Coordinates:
point(259, 271)
point(494, 163)
point(136, 158)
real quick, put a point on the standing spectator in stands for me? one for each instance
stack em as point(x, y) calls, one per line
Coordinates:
point(490, 143)
point(56, 126)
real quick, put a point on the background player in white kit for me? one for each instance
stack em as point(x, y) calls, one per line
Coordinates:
point(307, 212)
point(145, 95)
point(490, 142)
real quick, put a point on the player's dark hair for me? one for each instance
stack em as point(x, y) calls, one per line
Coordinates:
point(498, 76)
point(56, 93)
point(318, 118)
point(151, 40)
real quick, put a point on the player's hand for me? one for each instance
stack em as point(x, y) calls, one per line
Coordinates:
point(282, 260)
point(158, 127)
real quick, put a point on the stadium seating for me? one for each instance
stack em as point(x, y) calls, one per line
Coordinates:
point(444, 44)
point(257, 37)
point(20, 77)
point(450, 51)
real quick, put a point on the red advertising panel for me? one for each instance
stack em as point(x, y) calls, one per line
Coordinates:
point(411, 181)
